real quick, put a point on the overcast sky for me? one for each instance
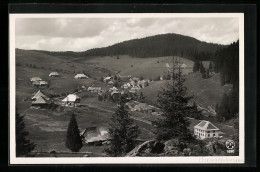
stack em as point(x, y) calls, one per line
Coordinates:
point(71, 34)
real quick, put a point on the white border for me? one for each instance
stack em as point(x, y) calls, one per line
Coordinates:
point(128, 160)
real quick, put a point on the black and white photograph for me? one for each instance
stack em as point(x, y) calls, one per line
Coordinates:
point(126, 88)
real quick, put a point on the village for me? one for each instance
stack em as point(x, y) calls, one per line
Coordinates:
point(116, 86)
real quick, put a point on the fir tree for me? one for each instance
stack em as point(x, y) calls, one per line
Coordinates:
point(123, 131)
point(74, 140)
point(23, 145)
point(195, 113)
point(173, 100)
point(196, 66)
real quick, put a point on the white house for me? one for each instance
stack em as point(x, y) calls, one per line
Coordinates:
point(33, 79)
point(206, 129)
point(54, 74)
point(107, 79)
point(72, 100)
point(94, 89)
point(80, 76)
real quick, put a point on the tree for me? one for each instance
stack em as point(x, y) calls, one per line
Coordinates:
point(173, 100)
point(123, 131)
point(202, 69)
point(23, 145)
point(74, 140)
point(115, 77)
point(141, 98)
point(195, 112)
point(223, 109)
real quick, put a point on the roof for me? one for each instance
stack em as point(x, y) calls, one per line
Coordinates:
point(94, 88)
point(108, 77)
point(143, 106)
point(115, 92)
point(93, 134)
point(70, 98)
point(80, 75)
point(36, 79)
point(110, 82)
point(40, 100)
point(53, 73)
point(40, 94)
point(206, 125)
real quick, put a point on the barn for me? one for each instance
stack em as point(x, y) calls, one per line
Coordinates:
point(72, 100)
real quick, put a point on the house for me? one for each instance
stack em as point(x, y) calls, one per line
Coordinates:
point(80, 76)
point(143, 107)
point(54, 74)
point(107, 79)
point(115, 95)
point(134, 89)
point(95, 135)
point(40, 83)
point(126, 86)
point(39, 94)
point(40, 102)
point(131, 105)
point(113, 89)
point(110, 83)
point(35, 79)
point(142, 83)
point(94, 89)
point(72, 100)
point(206, 129)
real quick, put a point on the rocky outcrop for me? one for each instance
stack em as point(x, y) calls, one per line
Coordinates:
point(174, 147)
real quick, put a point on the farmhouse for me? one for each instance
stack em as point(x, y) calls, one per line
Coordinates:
point(39, 94)
point(80, 76)
point(113, 89)
point(40, 83)
point(206, 129)
point(143, 107)
point(54, 74)
point(110, 83)
point(94, 89)
point(131, 105)
point(115, 95)
point(126, 86)
point(95, 135)
point(71, 100)
point(35, 79)
point(40, 102)
point(107, 79)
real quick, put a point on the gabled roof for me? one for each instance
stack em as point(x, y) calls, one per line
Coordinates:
point(53, 73)
point(40, 100)
point(36, 79)
point(70, 98)
point(40, 94)
point(110, 82)
point(80, 75)
point(206, 125)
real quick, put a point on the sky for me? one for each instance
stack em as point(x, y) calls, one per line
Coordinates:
point(81, 34)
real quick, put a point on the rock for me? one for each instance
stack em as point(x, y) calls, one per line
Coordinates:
point(158, 147)
point(137, 151)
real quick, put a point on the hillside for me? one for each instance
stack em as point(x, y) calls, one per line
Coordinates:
point(206, 92)
point(153, 46)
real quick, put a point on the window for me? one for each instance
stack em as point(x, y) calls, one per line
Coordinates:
point(208, 135)
point(213, 134)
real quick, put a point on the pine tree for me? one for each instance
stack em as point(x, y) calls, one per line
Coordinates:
point(123, 131)
point(173, 101)
point(73, 140)
point(196, 66)
point(23, 145)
